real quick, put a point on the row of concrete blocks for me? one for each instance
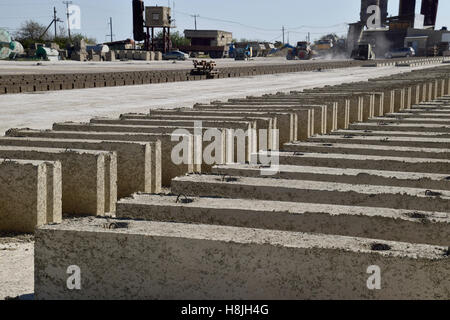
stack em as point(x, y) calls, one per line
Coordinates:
point(314, 232)
point(138, 55)
point(408, 62)
point(250, 238)
point(173, 120)
point(17, 79)
point(31, 83)
point(92, 173)
point(161, 127)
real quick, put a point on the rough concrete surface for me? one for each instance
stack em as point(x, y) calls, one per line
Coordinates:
point(191, 261)
point(16, 266)
point(367, 222)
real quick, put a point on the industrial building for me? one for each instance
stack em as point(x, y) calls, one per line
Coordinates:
point(212, 42)
point(414, 26)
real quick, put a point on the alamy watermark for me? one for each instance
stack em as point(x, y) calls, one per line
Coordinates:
point(227, 146)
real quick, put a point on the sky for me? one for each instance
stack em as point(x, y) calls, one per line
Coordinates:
point(250, 19)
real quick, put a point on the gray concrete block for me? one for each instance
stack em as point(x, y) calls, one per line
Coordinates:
point(410, 120)
point(400, 127)
point(389, 134)
point(89, 178)
point(311, 192)
point(156, 260)
point(30, 194)
point(411, 142)
point(138, 163)
point(337, 160)
point(342, 175)
point(307, 118)
point(367, 222)
point(169, 169)
point(198, 145)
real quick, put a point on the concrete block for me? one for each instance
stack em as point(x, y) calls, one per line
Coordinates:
point(286, 123)
point(30, 194)
point(158, 56)
point(138, 163)
point(373, 223)
point(198, 145)
point(400, 127)
point(410, 120)
point(89, 178)
point(426, 181)
point(410, 142)
point(169, 169)
point(218, 123)
point(158, 260)
point(388, 134)
point(307, 119)
point(311, 192)
point(111, 56)
point(361, 162)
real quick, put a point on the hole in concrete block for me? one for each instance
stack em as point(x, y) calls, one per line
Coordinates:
point(416, 215)
point(447, 178)
point(298, 154)
point(115, 225)
point(348, 136)
point(229, 179)
point(447, 252)
point(380, 247)
point(430, 193)
point(327, 144)
point(183, 199)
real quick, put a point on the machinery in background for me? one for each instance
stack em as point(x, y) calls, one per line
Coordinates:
point(243, 53)
point(302, 51)
point(46, 53)
point(8, 47)
point(329, 47)
point(363, 52)
point(204, 68)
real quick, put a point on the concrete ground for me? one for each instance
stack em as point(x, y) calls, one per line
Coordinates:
point(41, 109)
point(16, 266)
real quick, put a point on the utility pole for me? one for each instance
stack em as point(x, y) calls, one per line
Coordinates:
point(195, 16)
point(110, 29)
point(282, 30)
point(67, 3)
point(55, 19)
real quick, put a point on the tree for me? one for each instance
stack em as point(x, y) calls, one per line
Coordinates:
point(176, 37)
point(31, 32)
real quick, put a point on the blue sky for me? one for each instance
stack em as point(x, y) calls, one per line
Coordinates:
point(251, 19)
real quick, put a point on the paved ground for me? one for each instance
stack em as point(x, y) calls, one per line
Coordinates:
point(16, 267)
point(41, 109)
point(31, 67)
